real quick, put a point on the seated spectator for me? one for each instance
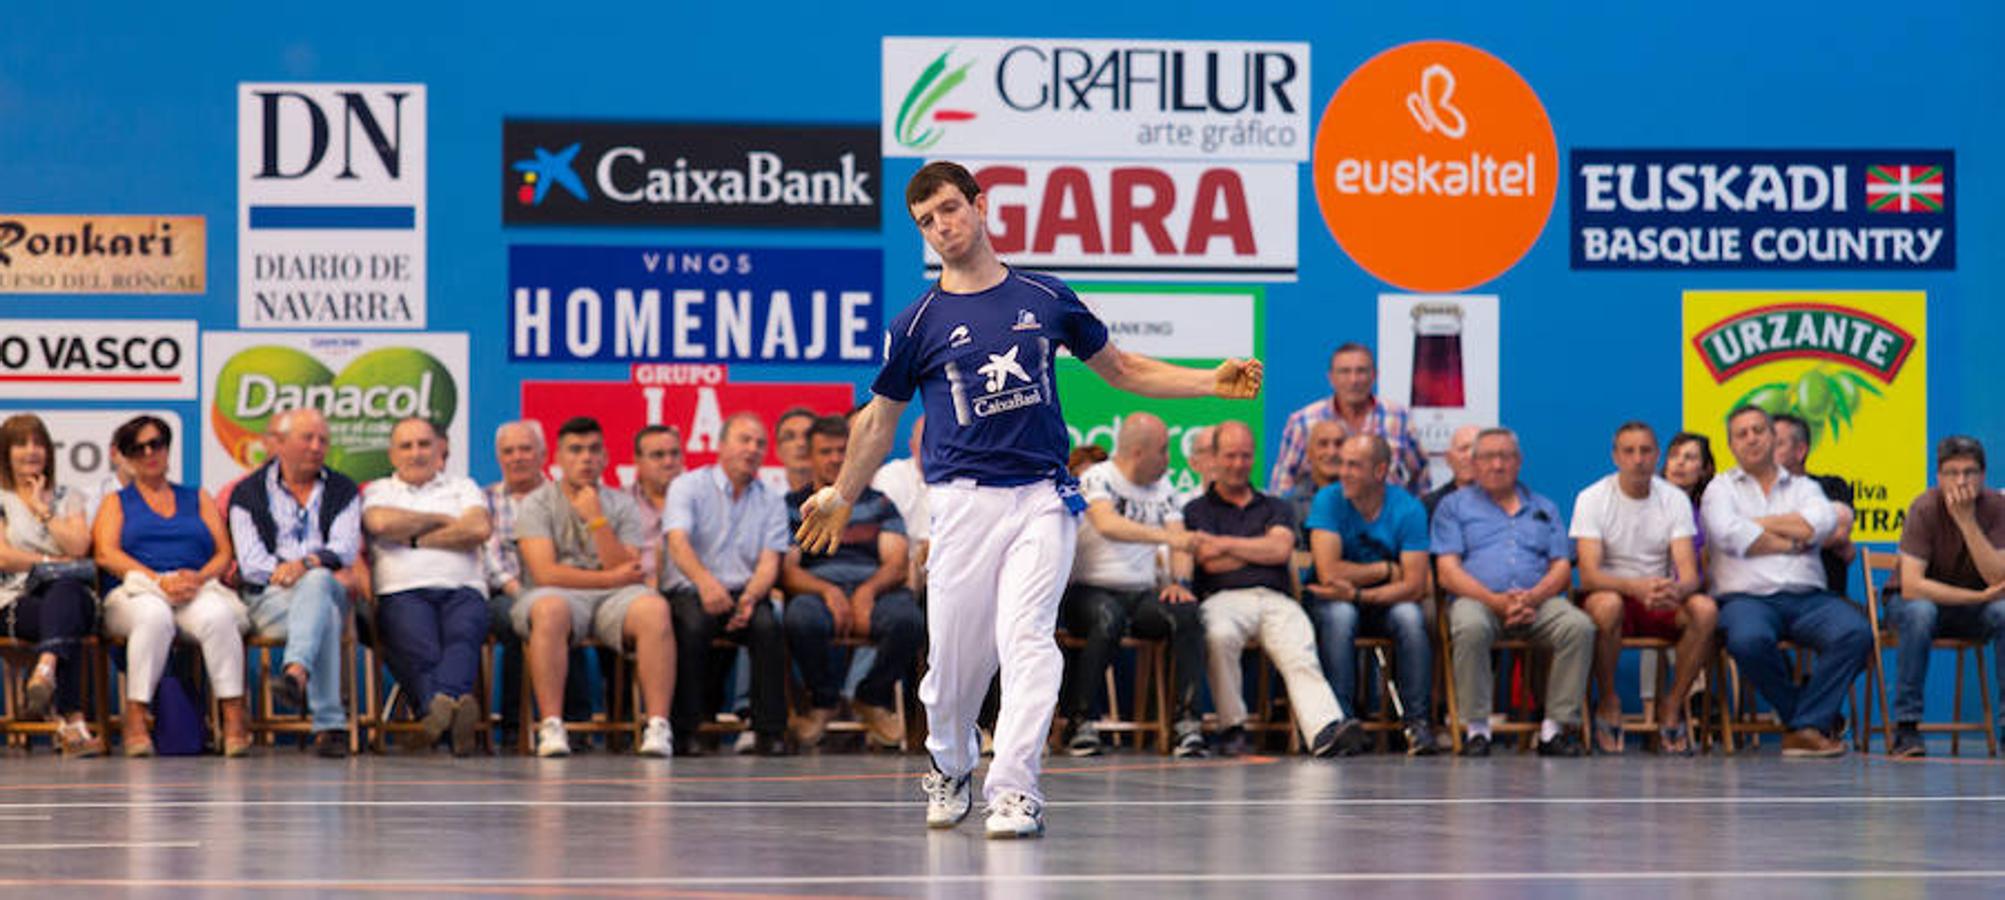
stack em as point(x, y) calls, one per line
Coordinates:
point(1369, 541)
point(1792, 453)
point(1951, 581)
point(1461, 466)
point(790, 444)
point(521, 453)
point(904, 482)
point(1766, 526)
point(1197, 456)
point(1243, 583)
point(426, 530)
point(1689, 467)
point(580, 545)
point(1354, 405)
point(857, 590)
point(295, 523)
point(1325, 439)
point(1640, 576)
point(1119, 581)
point(726, 532)
point(1503, 558)
point(1083, 457)
point(167, 547)
point(657, 463)
point(42, 528)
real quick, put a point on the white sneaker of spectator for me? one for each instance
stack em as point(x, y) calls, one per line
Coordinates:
point(657, 740)
point(552, 739)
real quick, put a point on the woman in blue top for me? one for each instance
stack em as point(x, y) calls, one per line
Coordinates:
point(167, 545)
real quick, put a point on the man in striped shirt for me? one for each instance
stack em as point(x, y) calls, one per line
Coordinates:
point(1353, 404)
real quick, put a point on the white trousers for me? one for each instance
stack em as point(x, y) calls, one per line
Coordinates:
point(1233, 617)
point(138, 612)
point(999, 563)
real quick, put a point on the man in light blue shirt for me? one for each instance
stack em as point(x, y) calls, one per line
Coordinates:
point(726, 534)
point(1503, 556)
point(297, 528)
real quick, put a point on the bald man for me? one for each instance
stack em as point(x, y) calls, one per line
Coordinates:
point(1325, 438)
point(1461, 466)
point(297, 528)
point(1120, 579)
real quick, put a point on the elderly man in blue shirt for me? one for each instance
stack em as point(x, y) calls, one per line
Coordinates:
point(1502, 554)
point(726, 533)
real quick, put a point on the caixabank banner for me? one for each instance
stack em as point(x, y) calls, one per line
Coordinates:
point(364, 383)
point(1853, 364)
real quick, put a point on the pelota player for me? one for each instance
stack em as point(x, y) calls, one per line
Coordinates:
point(978, 347)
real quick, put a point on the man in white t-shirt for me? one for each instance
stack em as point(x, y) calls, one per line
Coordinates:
point(905, 483)
point(426, 530)
point(1632, 534)
point(1119, 580)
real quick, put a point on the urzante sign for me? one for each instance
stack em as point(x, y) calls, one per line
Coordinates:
point(1187, 220)
point(97, 359)
point(364, 383)
point(572, 303)
point(331, 206)
point(1133, 99)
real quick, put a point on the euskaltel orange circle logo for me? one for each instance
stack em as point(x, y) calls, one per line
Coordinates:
point(1435, 166)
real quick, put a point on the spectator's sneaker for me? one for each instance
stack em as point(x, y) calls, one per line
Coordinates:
point(1015, 815)
point(657, 741)
point(1476, 745)
point(1234, 742)
point(947, 799)
point(1907, 742)
point(467, 719)
point(1564, 744)
point(883, 727)
point(552, 739)
point(1082, 739)
point(1344, 737)
point(746, 742)
point(1190, 741)
point(1420, 740)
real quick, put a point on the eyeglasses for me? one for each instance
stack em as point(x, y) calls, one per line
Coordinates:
point(146, 448)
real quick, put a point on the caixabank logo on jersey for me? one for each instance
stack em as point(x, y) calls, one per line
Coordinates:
point(673, 173)
point(1764, 209)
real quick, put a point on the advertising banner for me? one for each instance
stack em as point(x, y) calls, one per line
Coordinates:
point(103, 254)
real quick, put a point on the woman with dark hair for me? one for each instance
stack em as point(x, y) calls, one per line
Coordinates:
point(167, 545)
point(1688, 464)
point(44, 528)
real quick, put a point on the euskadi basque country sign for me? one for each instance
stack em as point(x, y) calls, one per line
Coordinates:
point(694, 304)
point(1764, 209)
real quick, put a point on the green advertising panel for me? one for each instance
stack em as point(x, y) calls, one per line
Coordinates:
point(1190, 325)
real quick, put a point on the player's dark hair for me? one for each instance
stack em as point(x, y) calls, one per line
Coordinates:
point(934, 175)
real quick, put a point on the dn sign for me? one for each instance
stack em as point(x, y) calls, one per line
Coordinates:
point(1435, 166)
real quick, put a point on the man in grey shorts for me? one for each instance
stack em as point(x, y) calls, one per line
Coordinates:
point(580, 558)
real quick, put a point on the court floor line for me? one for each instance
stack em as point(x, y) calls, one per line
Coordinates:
point(106, 845)
point(853, 881)
point(1213, 803)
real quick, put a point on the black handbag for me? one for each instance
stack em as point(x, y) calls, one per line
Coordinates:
point(45, 573)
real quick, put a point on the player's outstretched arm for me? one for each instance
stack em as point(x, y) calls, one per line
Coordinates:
point(1234, 379)
point(827, 511)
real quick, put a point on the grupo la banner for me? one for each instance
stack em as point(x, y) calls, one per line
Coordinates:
point(1853, 364)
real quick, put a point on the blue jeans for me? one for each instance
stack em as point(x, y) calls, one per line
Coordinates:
point(1829, 625)
point(897, 628)
point(308, 616)
point(1339, 623)
point(1919, 623)
point(432, 638)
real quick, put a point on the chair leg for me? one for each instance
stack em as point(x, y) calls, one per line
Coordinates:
point(1990, 714)
point(525, 718)
point(1956, 708)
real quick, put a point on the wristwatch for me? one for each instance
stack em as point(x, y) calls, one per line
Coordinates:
point(413, 542)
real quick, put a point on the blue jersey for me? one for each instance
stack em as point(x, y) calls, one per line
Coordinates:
point(983, 363)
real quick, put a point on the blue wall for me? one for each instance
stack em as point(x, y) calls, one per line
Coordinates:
point(129, 107)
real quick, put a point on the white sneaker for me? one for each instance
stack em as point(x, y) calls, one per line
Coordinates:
point(947, 799)
point(658, 740)
point(551, 739)
point(1015, 815)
